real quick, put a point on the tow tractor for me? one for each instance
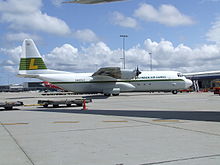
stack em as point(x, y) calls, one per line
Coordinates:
point(10, 105)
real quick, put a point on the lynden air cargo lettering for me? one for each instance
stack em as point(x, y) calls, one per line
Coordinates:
point(109, 80)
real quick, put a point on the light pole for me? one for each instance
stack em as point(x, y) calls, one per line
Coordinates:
point(150, 60)
point(123, 48)
point(96, 66)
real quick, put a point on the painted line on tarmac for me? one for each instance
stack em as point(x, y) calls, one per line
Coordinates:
point(168, 121)
point(29, 105)
point(102, 128)
point(13, 123)
point(64, 122)
point(183, 159)
point(176, 127)
point(16, 142)
point(114, 121)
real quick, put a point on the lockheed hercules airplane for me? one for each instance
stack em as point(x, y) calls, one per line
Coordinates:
point(109, 81)
point(91, 1)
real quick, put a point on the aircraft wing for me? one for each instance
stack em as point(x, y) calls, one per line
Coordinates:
point(113, 74)
point(108, 73)
point(104, 78)
point(203, 75)
point(116, 73)
point(90, 1)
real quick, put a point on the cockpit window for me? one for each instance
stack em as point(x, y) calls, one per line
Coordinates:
point(179, 74)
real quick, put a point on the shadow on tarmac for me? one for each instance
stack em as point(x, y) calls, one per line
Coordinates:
point(101, 96)
point(180, 115)
point(96, 97)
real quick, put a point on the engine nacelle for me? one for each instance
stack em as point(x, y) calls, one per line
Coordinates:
point(128, 74)
point(124, 86)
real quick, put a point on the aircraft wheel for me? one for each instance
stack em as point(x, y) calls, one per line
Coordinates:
point(8, 107)
point(174, 92)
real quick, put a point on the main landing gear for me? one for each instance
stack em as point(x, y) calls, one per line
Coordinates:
point(113, 92)
point(174, 92)
point(109, 94)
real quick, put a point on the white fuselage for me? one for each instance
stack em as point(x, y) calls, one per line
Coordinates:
point(146, 81)
point(161, 81)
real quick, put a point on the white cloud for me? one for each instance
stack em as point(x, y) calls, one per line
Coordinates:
point(119, 19)
point(10, 59)
point(166, 14)
point(10, 69)
point(27, 14)
point(21, 6)
point(184, 58)
point(214, 32)
point(100, 54)
point(20, 36)
point(85, 35)
point(13, 54)
point(57, 2)
point(70, 58)
point(166, 56)
point(63, 56)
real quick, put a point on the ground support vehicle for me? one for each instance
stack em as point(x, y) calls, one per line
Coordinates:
point(68, 103)
point(216, 90)
point(10, 105)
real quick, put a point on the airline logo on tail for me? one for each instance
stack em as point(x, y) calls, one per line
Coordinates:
point(32, 64)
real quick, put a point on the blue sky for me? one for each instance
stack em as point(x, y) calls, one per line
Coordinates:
point(182, 35)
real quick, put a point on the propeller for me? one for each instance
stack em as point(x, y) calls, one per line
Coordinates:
point(137, 72)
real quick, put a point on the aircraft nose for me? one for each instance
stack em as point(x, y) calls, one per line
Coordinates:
point(188, 83)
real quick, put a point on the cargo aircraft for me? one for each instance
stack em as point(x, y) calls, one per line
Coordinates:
point(91, 1)
point(108, 81)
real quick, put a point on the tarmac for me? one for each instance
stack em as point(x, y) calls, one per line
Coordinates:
point(130, 129)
